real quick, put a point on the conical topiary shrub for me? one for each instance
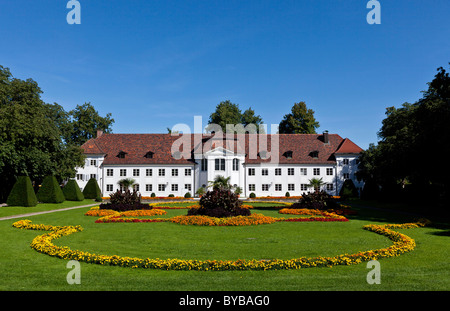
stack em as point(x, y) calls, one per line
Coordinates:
point(72, 191)
point(22, 193)
point(92, 190)
point(50, 191)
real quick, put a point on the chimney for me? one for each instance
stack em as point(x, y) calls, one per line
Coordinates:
point(99, 133)
point(325, 137)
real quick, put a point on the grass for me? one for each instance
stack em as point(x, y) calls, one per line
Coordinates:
point(426, 268)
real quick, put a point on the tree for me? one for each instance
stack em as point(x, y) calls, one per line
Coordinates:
point(316, 183)
point(72, 191)
point(229, 113)
point(50, 191)
point(300, 121)
point(22, 193)
point(126, 183)
point(85, 121)
point(31, 142)
point(410, 135)
point(221, 182)
point(39, 139)
point(92, 190)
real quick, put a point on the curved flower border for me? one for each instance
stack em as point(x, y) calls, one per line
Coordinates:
point(43, 244)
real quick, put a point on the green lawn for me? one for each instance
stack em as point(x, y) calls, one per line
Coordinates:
point(18, 210)
point(426, 268)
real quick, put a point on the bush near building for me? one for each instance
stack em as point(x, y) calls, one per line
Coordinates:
point(92, 190)
point(72, 191)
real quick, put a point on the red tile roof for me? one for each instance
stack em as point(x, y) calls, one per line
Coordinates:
point(347, 146)
point(137, 146)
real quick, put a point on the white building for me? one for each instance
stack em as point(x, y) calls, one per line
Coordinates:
point(267, 165)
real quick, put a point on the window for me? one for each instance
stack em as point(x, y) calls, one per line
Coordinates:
point(220, 164)
point(265, 171)
point(136, 187)
point(109, 172)
point(148, 187)
point(251, 187)
point(174, 172)
point(121, 155)
point(148, 172)
point(94, 162)
point(204, 165)
point(136, 172)
point(316, 171)
point(303, 171)
point(265, 187)
point(303, 187)
point(288, 154)
point(94, 176)
point(291, 187)
point(188, 187)
point(277, 171)
point(329, 171)
point(187, 172)
point(79, 176)
point(251, 172)
point(109, 187)
point(345, 161)
point(174, 187)
point(161, 172)
point(290, 171)
point(235, 165)
point(314, 154)
point(149, 155)
point(123, 172)
point(329, 187)
point(278, 187)
point(161, 187)
point(346, 175)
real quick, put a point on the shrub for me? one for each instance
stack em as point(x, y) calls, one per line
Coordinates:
point(153, 195)
point(287, 195)
point(124, 201)
point(22, 193)
point(220, 202)
point(187, 195)
point(252, 195)
point(316, 200)
point(348, 190)
point(50, 191)
point(72, 192)
point(92, 190)
point(171, 195)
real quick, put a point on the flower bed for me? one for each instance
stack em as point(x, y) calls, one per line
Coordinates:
point(43, 244)
point(110, 214)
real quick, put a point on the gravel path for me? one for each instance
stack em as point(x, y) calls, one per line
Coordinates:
point(45, 212)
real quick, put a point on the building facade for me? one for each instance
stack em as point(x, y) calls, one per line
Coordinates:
point(266, 165)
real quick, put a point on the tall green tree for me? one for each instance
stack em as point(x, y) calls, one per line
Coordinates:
point(300, 120)
point(39, 139)
point(85, 121)
point(229, 113)
point(413, 140)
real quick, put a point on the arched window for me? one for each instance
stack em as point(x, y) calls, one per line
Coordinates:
point(235, 164)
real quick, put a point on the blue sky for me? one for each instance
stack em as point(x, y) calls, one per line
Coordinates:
point(154, 64)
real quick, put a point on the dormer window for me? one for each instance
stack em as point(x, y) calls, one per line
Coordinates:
point(288, 154)
point(149, 155)
point(121, 154)
point(314, 154)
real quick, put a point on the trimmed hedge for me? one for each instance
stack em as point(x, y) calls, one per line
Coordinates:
point(22, 193)
point(92, 190)
point(72, 191)
point(50, 191)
